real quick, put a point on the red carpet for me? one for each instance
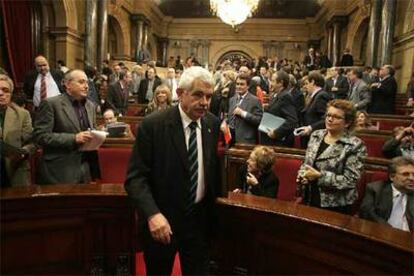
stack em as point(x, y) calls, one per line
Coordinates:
point(140, 265)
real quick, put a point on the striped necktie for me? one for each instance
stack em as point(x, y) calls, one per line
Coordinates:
point(43, 90)
point(193, 162)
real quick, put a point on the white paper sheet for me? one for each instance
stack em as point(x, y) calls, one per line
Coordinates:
point(98, 137)
point(270, 122)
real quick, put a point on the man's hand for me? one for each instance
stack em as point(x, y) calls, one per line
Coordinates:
point(334, 89)
point(160, 228)
point(271, 133)
point(306, 131)
point(405, 132)
point(83, 137)
point(238, 111)
point(410, 102)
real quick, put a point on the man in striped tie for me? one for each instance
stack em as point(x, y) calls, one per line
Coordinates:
point(173, 177)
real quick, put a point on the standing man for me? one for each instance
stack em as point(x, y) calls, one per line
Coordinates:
point(118, 93)
point(337, 85)
point(42, 83)
point(147, 86)
point(392, 202)
point(174, 181)
point(61, 128)
point(245, 113)
point(384, 92)
point(359, 93)
point(172, 84)
point(264, 80)
point(15, 130)
point(310, 60)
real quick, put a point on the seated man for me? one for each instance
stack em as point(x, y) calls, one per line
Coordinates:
point(15, 136)
point(402, 144)
point(110, 118)
point(392, 201)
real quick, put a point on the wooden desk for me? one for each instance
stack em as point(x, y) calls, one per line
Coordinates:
point(259, 236)
point(67, 229)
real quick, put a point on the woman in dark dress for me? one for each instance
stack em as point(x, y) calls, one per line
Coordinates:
point(256, 176)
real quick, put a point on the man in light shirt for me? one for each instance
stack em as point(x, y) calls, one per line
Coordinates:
point(172, 83)
point(392, 201)
point(43, 82)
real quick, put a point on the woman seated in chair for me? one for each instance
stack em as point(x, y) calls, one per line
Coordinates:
point(256, 176)
point(161, 101)
point(363, 122)
point(334, 162)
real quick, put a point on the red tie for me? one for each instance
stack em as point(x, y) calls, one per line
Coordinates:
point(43, 91)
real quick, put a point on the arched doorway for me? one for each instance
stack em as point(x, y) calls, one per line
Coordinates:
point(115, 37)
point(234, 56)
point(359, 48)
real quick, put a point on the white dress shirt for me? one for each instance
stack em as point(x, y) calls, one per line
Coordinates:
point(186, 122)
point(52, 88)
point(402, 223)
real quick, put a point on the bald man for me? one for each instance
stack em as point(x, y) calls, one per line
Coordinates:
point(61, 127)
point(43, 82)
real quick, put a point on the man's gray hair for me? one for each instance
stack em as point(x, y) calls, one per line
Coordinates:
point(8, 80)
point(195, 73)
point(69, 74)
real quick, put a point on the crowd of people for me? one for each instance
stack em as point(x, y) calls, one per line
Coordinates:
point(322, 105)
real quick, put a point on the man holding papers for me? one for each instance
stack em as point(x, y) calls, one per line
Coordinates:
point(62, 126)
point(245, 113)
point(280, 105)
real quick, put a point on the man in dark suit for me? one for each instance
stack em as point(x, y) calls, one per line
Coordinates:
point(384, 92)
point(118, 93)
point(313, 115)
point(310, 59)
point(61, 127)
point(173, 176)
point(337, 85)
point(43, 82)
point(281, 105)
point(264, 80)
point(245, 113)
point(147, 86)
point(347, 59)
point(392, 202)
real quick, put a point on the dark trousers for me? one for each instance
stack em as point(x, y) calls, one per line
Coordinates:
point(189, 240)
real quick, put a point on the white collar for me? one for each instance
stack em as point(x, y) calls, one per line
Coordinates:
point(396, 192)
point(187, 120)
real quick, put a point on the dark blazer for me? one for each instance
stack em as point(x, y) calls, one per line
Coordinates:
point(314, 114)
point(393, 148)
point(298, 100)
point(264, 83)
point(158, 173)
point(268, 183)
point(246, 128)
point(377, 203)
point(347, 60)
point(282, 105)
point(342, 85)
point(30, 80)
point(383, 97)
point(116, 98)
point(143, 86)
point(55, 127)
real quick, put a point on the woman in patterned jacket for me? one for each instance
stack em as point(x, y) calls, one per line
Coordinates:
point(334, 161)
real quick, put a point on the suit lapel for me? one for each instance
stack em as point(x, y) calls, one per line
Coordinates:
point(178, 137)
point(90, 111)
point(206, 133)
point(409, 213)
point(385, 202)
point(70, 113)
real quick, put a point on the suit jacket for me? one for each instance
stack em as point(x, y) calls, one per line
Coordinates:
point(341, 165)
point(264, 83)
point(158, 177)
point(347, 60)
point(282, 106)
point(17, 132)
point(31, 77)
point(117, 99)
point(268, 183)
point(377, 203)
point(55, 128)
point(360, 95)
point(314, 113)
point(143, 87)
point(246, 128)
point(383, 97)
point(342, 85)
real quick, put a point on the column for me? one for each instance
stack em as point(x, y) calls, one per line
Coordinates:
point(205, 45)
point(337, 23)
point(102, 26)
point(266, 48)
point(387, 29)
point(138, 36)
point(329, 42)
point(164, 47)
point(90, 32)
point(373, 33)
point(193, 48)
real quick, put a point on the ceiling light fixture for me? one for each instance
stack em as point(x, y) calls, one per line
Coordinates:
point(233, 12)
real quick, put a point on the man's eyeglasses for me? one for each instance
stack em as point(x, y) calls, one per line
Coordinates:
point(334, 116)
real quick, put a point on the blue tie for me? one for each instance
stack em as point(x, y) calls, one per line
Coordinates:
point(193, 162)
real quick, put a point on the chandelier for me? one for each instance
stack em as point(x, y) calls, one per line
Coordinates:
point(233, 12)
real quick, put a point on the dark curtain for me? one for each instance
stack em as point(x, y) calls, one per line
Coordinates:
point(18, 37)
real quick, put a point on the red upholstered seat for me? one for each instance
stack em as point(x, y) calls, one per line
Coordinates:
point(286, 169)
point(374, 145)
point(113, 163)
point(141, 270)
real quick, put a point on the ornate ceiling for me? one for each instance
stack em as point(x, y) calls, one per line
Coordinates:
point(267, 8)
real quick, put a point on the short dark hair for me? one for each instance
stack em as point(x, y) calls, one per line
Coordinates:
point(243, 77)
point(398, 162)
point(357, 72)
point(317, 78)
point(282, 77)
point(390, 69)
point(61, 62)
